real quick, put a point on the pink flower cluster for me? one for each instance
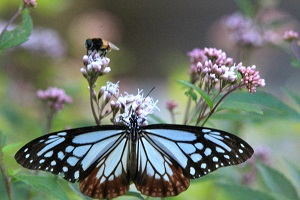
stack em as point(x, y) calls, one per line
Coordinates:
point(251, 78)
point(212, 66)
point(290, 36)
point(55, 97)
point(209, 62)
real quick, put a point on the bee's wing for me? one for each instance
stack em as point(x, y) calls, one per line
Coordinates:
point(112, 46)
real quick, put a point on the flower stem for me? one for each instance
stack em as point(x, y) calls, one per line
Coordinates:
point(4, 172)
point(218, 103)
point(92, 105)
point(10, 21)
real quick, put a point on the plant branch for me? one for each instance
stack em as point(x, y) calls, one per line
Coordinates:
point(218, 103)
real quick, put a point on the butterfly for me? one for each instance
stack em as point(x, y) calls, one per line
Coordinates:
point(159, 159)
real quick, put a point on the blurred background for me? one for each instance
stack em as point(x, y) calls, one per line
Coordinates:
point(154, 38)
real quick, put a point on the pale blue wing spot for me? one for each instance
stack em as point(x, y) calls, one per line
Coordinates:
point(50, 146)
point(72, 161)
point(196, 157)
point(187, 148)
point(81, 150)
point(69, 149)
point(177, 135)
point(48, 154)
point(207, 151)
point(218, 142)
point(62, 133)
point(92, 137)
point(199, 146)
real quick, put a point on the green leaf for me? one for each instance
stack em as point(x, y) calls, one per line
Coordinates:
point(277, 183)
point(11, 147)
point(46, 184)
point(242, 106)
point(192, 94)
point(18, 35)
point(240, 192)
point(295, 172)
point(292, 95)
point(271, 106)
point(201, 92)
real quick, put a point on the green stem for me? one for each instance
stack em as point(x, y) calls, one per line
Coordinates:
point(218, 103)
point(4, 172)
point(10, 21)
point(92, 106)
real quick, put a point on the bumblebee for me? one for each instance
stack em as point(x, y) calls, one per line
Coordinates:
point(99, 44)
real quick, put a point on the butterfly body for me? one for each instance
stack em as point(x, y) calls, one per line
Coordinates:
point(159, 159)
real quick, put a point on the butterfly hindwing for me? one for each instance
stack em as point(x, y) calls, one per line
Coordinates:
point(110, 177)
point(71, 153)
point(156, 175)
point(197, 150)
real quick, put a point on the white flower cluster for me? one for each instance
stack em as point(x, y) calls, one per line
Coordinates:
point(134, 104)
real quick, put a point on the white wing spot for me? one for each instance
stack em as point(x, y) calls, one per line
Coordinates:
point(242, 145)
point(53, 162)
point(51, 170)
point(207, 151)
point(25, 150)
point(27, 155)
point(236, 155)
point(206, 130)
point(192, 171)
point(76, 175)
point(217, 166)
point(62, 134)
point(42, 161)
point(30, 161)
point(215, 159)
point(241, 151)
point(226, 156)
point(203, 165)
point(220, 150)
point(65, 169)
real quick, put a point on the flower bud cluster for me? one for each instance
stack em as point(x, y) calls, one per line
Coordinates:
point(210, 66)
point(251, 78)
point(55, 97)
point(95, 66)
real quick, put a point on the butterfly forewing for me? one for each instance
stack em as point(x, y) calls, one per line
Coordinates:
point(197, 150)
point(72, 153)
